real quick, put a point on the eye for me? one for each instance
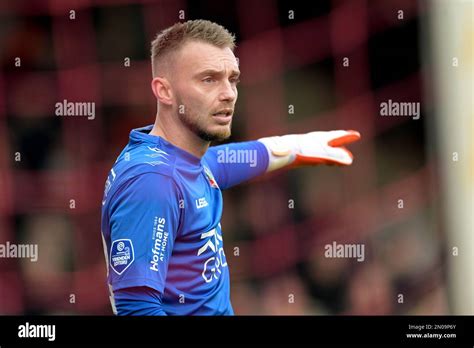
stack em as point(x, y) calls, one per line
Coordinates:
point(235, 81)
point(208, 80)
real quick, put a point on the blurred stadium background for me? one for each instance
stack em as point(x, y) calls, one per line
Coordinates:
point(275, 229)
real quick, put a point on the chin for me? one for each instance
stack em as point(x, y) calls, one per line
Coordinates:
point(220, 134)
point(224, 133)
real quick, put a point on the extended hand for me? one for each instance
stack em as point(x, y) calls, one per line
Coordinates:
point(310, 149)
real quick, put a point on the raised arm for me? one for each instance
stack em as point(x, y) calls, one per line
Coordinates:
point(234, 163)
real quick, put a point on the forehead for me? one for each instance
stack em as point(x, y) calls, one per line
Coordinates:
point(196, 55)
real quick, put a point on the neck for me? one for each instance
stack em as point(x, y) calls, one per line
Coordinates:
point(180, 136)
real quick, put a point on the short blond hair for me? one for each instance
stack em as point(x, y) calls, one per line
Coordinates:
point(172, 38)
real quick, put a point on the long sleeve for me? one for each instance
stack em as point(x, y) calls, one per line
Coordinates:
point(138, 301)
point(234, 163)
point(144, 218)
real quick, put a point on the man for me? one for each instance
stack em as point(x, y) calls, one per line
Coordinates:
point(162, 202)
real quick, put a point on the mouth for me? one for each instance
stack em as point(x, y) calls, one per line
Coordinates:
point(224, 115)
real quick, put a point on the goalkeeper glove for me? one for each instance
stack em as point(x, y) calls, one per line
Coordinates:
point(310, 149)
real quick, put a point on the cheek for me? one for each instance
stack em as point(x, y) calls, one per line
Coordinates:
point(201, 99)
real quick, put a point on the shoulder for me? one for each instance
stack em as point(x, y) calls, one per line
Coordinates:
point(151, 185)
point(146, 159)
point(145, 193)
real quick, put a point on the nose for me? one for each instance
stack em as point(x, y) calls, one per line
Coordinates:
point(228, 92)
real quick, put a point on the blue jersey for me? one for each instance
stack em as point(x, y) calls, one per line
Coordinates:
point(161, 215)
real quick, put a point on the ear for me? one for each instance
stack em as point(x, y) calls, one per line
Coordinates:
point(162, 90)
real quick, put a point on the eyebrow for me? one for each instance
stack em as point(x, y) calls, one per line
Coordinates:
point(217, 72)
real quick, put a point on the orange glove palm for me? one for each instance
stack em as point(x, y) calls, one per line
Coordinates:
point(310, 149)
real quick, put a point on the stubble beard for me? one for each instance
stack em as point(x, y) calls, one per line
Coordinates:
point(196, 124)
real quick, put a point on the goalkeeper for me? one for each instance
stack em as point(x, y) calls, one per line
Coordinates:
point(162, 202)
